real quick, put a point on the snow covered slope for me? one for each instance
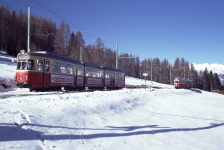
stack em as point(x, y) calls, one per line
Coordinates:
point(143, 119)
point(7, 72)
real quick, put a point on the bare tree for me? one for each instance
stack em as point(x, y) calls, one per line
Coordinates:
point(100, 57)
point(61, 39)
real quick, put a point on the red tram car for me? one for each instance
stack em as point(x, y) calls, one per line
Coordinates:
point(182, 83)
point(41, 70)
point(114, 78)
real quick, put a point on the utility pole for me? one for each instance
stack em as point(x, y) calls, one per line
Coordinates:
point(170, 75)
point(28, 31)
point(151, 70)
point(116, 55)
point(80, 55)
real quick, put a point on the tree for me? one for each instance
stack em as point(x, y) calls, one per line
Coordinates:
point(5, 29)
point(79, 43)
point(165, 71)
point(176, 68)
point(100, 58)
point(42, 34)
point(89, 54)
point(72, 46)
point(50, 35)
point(194, 76)
point(22, 32)
point(137, 67)
point(110, 57)
point(156, 69)
point(62, 39)
point(216, 82)
point(206, 80)
point(211, 80)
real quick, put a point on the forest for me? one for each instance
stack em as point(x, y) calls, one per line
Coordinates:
point(46, 36)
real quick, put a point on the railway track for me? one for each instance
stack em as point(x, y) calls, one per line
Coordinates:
point(4, 96)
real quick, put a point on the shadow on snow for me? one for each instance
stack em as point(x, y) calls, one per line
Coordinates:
point(15, 132)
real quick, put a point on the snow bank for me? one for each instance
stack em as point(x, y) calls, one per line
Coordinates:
point(125, 119)
point(8, 69)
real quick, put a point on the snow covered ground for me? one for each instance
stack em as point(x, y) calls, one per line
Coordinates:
point(127, 119)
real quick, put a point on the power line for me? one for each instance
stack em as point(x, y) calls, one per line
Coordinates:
point(81, 29)
point(71, 22)
point(63, 18)
point(7, 5)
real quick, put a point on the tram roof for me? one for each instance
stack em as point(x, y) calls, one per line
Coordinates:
point(113, 69)
point(52, 56)
point(67, 59)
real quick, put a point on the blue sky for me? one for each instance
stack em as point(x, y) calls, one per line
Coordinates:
point(167, 29)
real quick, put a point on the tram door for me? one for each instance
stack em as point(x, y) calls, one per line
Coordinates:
point(44, 74)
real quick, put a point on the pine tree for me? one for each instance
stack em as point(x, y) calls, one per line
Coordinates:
point(211, 77)
point(206, 80)
point(194, 76)
point(176, 68)
point(165, 71)
point(79, 43)
point(72, 46)
point(217, 82)
point(137, 68)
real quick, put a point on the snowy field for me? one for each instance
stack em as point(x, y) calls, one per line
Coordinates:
point(157, 119)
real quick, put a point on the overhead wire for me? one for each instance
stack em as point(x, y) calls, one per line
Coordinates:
point(81, 29)
point(71, 22)
point(66, 20)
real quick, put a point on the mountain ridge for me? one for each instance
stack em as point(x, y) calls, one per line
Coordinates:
point(215, 68)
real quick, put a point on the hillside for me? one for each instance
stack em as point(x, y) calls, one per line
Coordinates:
point(125, 119)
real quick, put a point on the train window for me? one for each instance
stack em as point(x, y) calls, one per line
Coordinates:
point(69, 69)
point(56, 66)
point(123, 76)
point(63, 68)
point(119, 76)
point(80, 70)
point(88, 72)
point(40, 65)
point(46, 68)
point(96, 73)
point(107, 75)
point(100, 73)
point(25, 65)
point(112, 75)
point(19, 65)
point(116, 75)
point(74, 69)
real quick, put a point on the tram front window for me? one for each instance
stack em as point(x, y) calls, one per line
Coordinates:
point(25, 65)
